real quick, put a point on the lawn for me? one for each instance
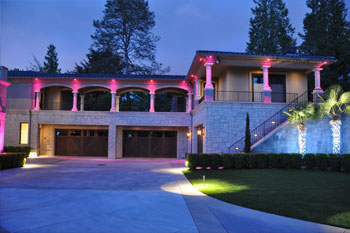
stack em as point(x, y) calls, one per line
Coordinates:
point(322, 197)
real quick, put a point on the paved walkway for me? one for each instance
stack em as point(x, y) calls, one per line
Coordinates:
point(56, 194)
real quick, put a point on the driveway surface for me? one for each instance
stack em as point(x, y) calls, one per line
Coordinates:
point(59, 194)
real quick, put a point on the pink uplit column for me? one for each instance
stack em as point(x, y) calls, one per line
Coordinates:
point(2, 130)
point(113, 102)
point(75, 101)
point(198, 96)
point(318, 90)
point(189, 102)
point(37, 100)
point(152, 96)
point(209, 89)
point(267, 88)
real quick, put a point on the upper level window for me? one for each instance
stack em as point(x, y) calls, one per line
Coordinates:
point(24, 133)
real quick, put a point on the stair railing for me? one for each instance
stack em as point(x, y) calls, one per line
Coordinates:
point(268, 125)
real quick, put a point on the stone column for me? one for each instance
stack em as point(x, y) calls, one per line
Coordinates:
point(112, 141)
point(117, 103)
point(113, 102)
point(267, 88)
point(197, 96)
point(209, 89)
point(152, 97)
point(189, 102)
point(82, 97)
point(37, 100)
point(75, 100)
point(318, 90)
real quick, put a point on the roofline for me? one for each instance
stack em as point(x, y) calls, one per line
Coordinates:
point(274, 56)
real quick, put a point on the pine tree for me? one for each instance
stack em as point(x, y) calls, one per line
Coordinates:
point(327, 33)
point(247, 140)
point(51, 60)
point(125, 32)
point(270, 29)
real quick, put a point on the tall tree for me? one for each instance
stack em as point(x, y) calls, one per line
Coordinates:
point(51, 60)
point(270, 29)
point(50, 64)
point(327, 33)
point(125, 32)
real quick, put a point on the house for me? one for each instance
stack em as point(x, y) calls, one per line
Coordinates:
point(205, 110)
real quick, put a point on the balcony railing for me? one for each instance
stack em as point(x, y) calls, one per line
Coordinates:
point(249, 96)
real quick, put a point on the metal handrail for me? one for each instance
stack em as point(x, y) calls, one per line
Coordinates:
point(268, 125)
point(249, 96)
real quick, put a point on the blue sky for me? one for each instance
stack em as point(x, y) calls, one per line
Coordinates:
point(29, 26)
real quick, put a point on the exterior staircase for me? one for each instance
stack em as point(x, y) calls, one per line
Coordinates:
point(269, 126)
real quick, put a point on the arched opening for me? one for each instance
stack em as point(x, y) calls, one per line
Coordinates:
point(94, 99)
point(171, 100)
point(134, 99)
point(56, 98)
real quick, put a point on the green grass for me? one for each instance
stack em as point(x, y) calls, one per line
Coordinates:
point(322, 197)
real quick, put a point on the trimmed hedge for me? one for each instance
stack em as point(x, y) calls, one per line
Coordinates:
point(282, 160)
point(24, 149)
point(12, 160)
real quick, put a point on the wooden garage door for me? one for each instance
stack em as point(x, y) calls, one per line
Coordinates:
point(76, 142)
point(138, 143)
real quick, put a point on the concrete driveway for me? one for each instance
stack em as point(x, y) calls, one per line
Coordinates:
point(56, 194)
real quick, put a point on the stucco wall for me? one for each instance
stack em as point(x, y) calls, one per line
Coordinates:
point(19, 95)
point(224, 122)
point(319, 138)
point(296, 82)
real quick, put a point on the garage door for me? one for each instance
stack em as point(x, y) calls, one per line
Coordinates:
point(76, 142)
point(139, 143)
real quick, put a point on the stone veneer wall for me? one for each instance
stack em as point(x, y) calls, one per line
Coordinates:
point(318, 136)
point(110, 120)
point(224, 122)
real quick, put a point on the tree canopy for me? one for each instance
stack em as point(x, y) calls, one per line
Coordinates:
point(123, 40)
point(270, 29)
point(327, 33)
point(50, 64)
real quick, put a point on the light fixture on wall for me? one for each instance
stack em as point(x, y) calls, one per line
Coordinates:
point(189, 133)
point(199, 131)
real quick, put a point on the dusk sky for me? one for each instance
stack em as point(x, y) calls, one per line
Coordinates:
point(29, 26)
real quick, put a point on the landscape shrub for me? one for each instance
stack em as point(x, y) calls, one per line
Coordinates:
point(227, 161)
point(12, 160)
point(204, 160)
point(239, 161)
point(321, 161)
point(24, 149)
point(261, 160)
point(345, 162)
point(273, 160)
point(250, 160)
point(192, 161)
point(215, 161)
point(309, 161)
point(334, 162)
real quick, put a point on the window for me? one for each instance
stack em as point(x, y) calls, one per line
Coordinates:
point(24, 133)
point(75, 133)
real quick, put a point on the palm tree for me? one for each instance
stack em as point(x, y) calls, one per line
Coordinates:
point(335, 102)
point(299, 115)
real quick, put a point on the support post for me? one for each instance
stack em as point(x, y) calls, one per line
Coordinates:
point(75, 100)
point(113, 102)
point(209, 89)
point(318, 90)
point(117, 103)
point(198, 96)
point(37, 100)
point(189, 102)
point(82, 99)
point(112, 129)
point(267, 88)
point(152, 97)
